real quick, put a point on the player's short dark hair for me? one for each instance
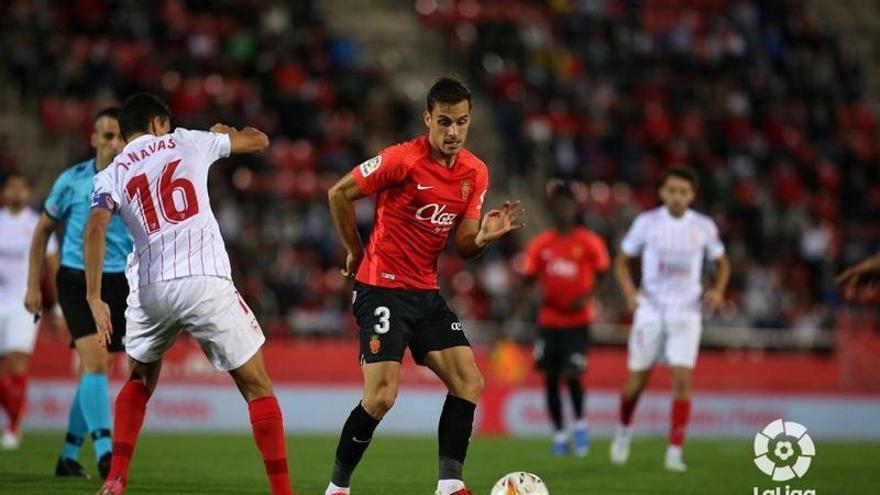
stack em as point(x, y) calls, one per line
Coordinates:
point(137, 112)
point(680, 172)
point(560, 190)
point(17, 174)
point(448, 90)
point(112, 112)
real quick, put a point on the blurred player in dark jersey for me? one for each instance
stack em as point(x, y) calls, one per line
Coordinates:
point(564, 259)
point(425, 189)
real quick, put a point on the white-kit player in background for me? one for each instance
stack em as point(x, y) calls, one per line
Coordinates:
point(672, 241)
point(179, 274)
point(18, 327)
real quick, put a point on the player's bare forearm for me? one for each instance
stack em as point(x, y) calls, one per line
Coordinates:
point(467, 244)
point(33, 299)
point(625, 280)
point(473, 235)
point(341, 198)
point(623, 274)
point(247, 140)
point(37, 253)
point(342, 211)
point(53, 263)
point(722, 274)
point(94, 241)
point(36, 257)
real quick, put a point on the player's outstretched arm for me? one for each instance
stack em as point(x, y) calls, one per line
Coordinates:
point(33, 298)
point(247, 140)
point(341, 197)
point(623, 274)
point(472, 236)
point(94, 241)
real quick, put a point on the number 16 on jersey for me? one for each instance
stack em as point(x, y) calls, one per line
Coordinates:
point(139, 188)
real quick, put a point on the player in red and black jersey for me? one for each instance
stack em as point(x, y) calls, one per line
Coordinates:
point(564, 260)
point(425, 189)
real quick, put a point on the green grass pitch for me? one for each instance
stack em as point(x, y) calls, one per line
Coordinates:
point(229, 464)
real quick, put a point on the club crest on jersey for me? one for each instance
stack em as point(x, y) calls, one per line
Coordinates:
point(466, 189)
point(375, 344)
point(371, 165)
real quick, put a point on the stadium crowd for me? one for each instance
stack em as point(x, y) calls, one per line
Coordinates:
point(768, 109)
point(606, 92)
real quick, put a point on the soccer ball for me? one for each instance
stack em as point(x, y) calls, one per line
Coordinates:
point(520, 483)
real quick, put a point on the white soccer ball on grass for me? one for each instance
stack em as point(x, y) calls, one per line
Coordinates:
point(520, 483)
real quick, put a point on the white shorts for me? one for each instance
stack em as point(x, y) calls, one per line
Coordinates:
point(676, 335)
point(209, 308)
point(18, 333)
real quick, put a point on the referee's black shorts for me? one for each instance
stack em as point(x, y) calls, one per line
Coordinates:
point(71, 285)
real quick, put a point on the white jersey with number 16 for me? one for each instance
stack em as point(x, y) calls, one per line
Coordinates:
point(159, 185)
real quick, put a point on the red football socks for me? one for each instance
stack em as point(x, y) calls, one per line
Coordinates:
point(681, 413)
point(268, 426)
point(4, 394)
point(627, 409)
point(131, 405)
point(13, 397)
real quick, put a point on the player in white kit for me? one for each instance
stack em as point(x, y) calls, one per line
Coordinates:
point(18, 329)
point(179, 274)
point(672, 241)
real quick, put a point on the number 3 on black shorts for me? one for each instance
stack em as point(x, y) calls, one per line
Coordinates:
point(384, 315)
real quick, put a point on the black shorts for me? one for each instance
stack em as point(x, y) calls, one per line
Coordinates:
point(392, 319)
point(562, 349)
point(71, 285)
